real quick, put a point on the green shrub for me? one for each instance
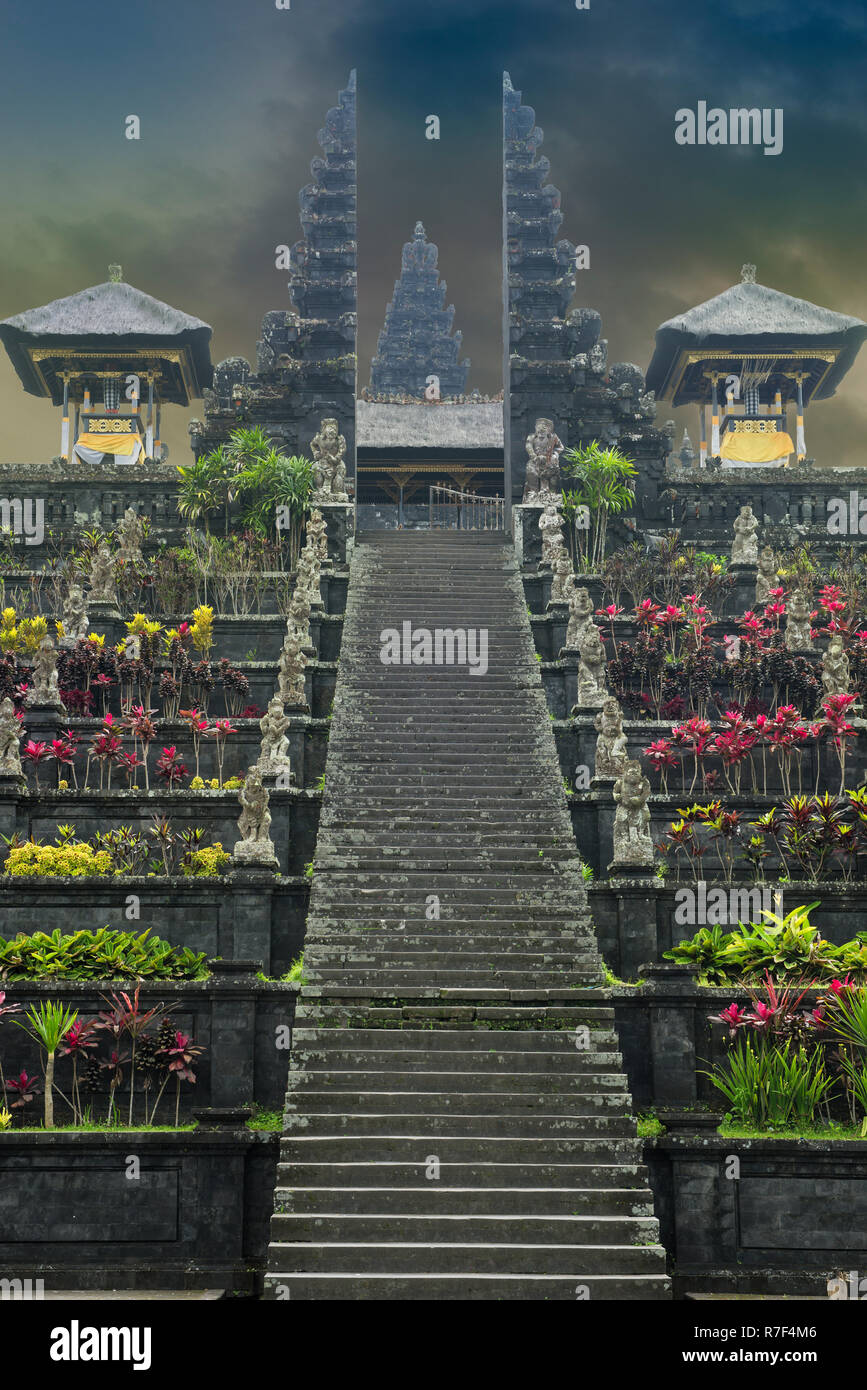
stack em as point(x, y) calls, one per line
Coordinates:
point(781, 947)
point(101, 955)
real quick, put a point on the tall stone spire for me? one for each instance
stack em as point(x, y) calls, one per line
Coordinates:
point(556, 364)
point(416, 342)
point(306, 356)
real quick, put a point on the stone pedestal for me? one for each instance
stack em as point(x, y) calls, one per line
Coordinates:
point(340, 525)
point(674, 999)
point(742, 595)
point(527, 536)
point(315, 625)
point(105, 617)
point(570, 659)
point(637, 889)
point(233, 1030)
point(559, 615)
point(11, 789)
point(45, 722)
point(299, 723)
point(252, 887)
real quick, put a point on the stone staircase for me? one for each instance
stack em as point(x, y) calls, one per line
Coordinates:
point(457, 1119)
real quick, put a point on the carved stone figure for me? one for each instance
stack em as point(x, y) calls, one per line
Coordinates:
point(766, 579)
point(75, 622)
point(543, 464)
point(328, 448)
point(835, 668)
point(10, 737)
point(45, 691)
point(611, 745)
point(745, 546)
point(274, 753)
point(592, 690)
point(308, 575)
point(254, 823)
point(290, 675)
point(632, 843)
point(318, 530)
point(551, 526)
point(102, 585)
point(580, 617)
point(131, 532)
point(563, 582)
point(798, 637)
point(298, 619)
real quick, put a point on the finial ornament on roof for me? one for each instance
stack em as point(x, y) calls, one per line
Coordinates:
point(115, 274)
point(748, 274)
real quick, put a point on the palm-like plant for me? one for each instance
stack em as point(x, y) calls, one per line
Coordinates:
point(222, 467)
point(48, 1025)
point(198, 491)
point(273, 481)
point(603, 488)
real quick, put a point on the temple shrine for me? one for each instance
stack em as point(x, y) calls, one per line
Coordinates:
point(110, 356)
point(747, 357)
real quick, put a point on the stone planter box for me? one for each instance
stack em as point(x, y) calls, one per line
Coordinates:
point(197, 1216)
point(308, 749)
point(670, 1037)
point(247, 637)
point(294, 816)
point(576, 746)
point(246, 915)
point(559, 679)
point(635, 918)
point(233, 1014)
point(592, 815)
point(320, 679)
point(794, 1217)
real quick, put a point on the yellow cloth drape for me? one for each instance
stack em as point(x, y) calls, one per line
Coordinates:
point(110, 443)
point(756, 448)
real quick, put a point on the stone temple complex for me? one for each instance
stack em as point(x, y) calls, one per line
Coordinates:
point(407, 781)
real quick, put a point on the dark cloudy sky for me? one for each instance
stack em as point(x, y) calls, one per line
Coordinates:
point(231, 94)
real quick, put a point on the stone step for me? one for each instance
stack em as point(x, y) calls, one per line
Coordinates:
point(424, 859)
point(324, 959)
point(471, 1147)
point(420, 951)
point(361, 1124)
point(442, 1257)
point(302, 1100)
point(425, 936)
point(515, 1228)
point(594, 1068)
point(433, 1199)
point(484, 1084)
point(496, 920)
point(437, 1014)
point(393, 977)
point(509, 1043)
point(484, 1177)
point(475, 1287)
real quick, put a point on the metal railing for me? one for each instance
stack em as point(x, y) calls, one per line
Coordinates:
point(465, 511)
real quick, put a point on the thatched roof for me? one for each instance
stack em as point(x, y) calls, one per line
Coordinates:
point(106, 317)
point(753, 320)
point(435, 426)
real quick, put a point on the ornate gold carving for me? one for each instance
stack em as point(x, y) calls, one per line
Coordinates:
point(120, 424)
point(754, 426)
